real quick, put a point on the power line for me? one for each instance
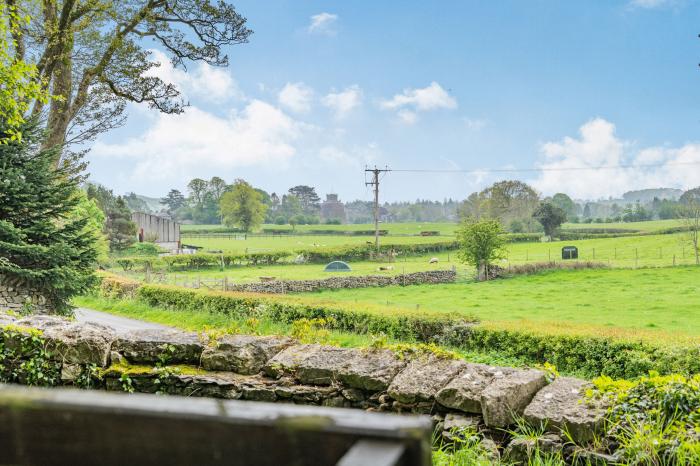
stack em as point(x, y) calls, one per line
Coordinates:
point(544, 169)
point(375, 184)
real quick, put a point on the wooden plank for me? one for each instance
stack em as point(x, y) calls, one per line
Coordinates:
point(66, 426)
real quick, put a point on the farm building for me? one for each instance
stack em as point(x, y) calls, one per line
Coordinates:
point(332, 209)
point(165, 233)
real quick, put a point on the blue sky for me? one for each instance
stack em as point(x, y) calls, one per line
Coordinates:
point(324, 88)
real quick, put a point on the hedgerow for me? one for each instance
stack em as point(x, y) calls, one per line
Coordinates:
point(25, 359)
point(586, 355)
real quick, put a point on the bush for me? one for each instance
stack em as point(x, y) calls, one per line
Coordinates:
point(144, 249)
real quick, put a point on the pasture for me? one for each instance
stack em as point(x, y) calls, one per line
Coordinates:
point(657, 302)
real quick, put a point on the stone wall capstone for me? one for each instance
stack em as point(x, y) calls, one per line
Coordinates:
point(431, 277)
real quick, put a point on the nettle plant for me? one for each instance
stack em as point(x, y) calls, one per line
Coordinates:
point(25, 358)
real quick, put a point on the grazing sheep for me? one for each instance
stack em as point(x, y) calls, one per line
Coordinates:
point(383, 268)
point(433, 260)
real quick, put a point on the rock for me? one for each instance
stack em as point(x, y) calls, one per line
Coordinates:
point(353, 394)
point(370, 370)
point(6, 319)
point(459, 422)
point(159, 346)
point(521, 449)
point(79, 343)
point(70, 372)
point(288, 360)
point(508, 395)
point(594, 458)
point(116, 358)
point(323, 367)
point(463, 393)
point(561, 406)
point(492, 450)
point(243, 354)
point(423, 378)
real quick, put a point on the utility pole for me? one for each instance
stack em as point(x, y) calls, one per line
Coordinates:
point(375, 184)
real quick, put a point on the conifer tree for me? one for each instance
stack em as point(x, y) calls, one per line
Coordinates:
point(119, 228)
point(44, 246)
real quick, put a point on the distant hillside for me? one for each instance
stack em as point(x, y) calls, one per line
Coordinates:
point(141, 203)
point(648, 195)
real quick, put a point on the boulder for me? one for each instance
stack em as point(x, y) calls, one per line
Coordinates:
point(159, 346)
point(508, 395)
point(463, 393)
point(371, 370)
point(423, 378)
point(459, 422)
point(243, 354)
point(287, 361)
point(323, 366)
point(561, 406)
point(79, 343)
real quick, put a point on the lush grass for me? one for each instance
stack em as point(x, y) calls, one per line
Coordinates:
point(658, 303)
point(293, 243)
point(204, 321)
point(412, 228)
point(648, 226)
point(628, 251)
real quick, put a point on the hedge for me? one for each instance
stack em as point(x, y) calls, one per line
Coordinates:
point(589, 356)
point(195, 261)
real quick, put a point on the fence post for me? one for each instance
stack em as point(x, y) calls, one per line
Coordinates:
point(225, 283)
point(674, 260)
point(527, 255)
point(615, 253)
point(593, 253)
point(661, 254)
point(636, 257)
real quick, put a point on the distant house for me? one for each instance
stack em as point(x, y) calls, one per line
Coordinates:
point(152, 228)
point(332, 209)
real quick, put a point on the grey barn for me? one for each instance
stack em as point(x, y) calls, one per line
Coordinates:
point(165, 233)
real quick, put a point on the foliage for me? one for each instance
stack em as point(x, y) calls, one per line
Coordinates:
point(309, 200)
point(25, 359)
point(90, 210)
point(481, 243)
point(550, 217)
point(46, 243)
point(18, 79)
point(119, 228)
point(92, 54)
point(565, 203)
point(654, 419)
point(242, 206)
point(173, 201)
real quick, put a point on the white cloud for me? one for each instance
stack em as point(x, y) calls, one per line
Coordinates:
point(649, 4)
point(427, 98)
point(598, 146)
point(197, 142)
point(407, 116)
point(296, 97)
point(204, 81)
point(323, 23)
point(356, 157)
point(343, 102)
point(475, 124)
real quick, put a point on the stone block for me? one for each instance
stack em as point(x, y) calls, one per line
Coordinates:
point(288, 360)
point(154, 346)
point(507, 396)
point(371, 370)
point(423, 378)
point(73, 342)
point(243, 354)
point(322, 367)
point(463, 393)
point(561, 406)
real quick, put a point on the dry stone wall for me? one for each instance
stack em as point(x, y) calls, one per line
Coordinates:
point(279, 369)
point(17, 297)
point(334, 283)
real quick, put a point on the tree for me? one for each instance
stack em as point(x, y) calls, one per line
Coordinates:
point(92, 55)
point(242, 206)
point(105, 198)
point(45, 243)
point(309, 200)
point(480, 243)
point(565, 203)
point(18, 79)
point(173, 201)
point(506, 201)
point(198, 189)
point(119, 228)
point(216, 188)
point(550, 217)
point(690, 212)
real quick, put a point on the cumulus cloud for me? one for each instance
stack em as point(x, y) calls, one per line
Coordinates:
point(343, 102)
point(475, 124)
point(572, 164)
point(323, 23)
point(296, 97)
point(357, 156)
point(411, 101)
point(204, 81)
point(197, 142)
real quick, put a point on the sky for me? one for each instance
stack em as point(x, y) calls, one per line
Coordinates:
point(325, 88)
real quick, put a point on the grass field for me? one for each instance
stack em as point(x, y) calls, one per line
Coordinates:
point(413, 228)
point(665, 300)
point(647, 227)
point(292, 243)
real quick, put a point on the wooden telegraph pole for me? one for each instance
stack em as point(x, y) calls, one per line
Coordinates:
point(375, 185)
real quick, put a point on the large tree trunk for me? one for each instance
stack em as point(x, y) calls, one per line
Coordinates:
point(60, 108)
point(482, 271)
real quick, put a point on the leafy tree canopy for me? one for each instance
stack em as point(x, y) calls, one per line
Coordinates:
point(242, 206)
point(481, 243)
